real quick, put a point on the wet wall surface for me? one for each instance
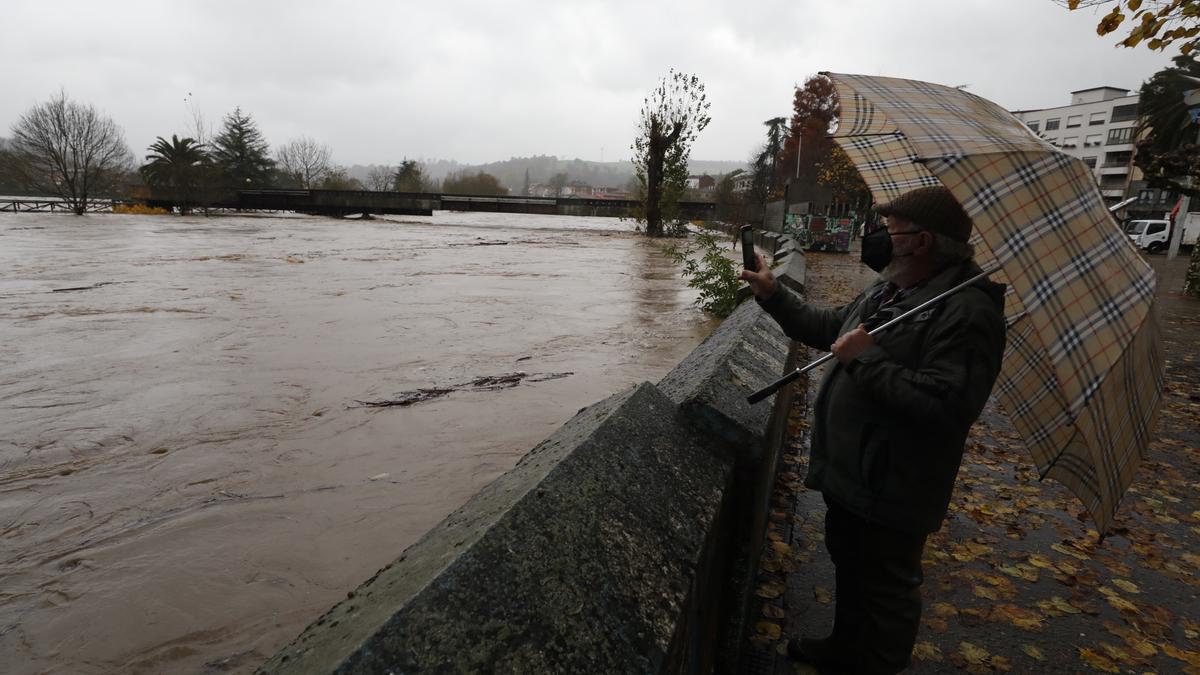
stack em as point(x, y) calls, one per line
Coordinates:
point(188, 472)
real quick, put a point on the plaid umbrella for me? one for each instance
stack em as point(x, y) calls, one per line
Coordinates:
point(1083, 370)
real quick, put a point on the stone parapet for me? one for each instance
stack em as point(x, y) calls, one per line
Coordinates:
point(625, 542)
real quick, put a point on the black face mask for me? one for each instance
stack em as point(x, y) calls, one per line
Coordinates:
point(877, 249)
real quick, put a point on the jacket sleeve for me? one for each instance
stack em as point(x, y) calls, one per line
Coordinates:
point(956, 371)
point(815, 327)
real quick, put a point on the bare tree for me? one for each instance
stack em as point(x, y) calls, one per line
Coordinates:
point(380, 178)
point(672, 116)
point(70, 150)
point(305, 160)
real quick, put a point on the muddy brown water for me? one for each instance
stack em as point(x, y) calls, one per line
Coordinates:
point(186, 480)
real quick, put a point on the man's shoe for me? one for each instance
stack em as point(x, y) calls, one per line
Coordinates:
point(823, 653)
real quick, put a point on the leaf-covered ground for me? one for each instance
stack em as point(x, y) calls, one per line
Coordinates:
point(1015, 579)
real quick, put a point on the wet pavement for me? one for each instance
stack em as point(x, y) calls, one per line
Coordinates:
point(1015, 579)
point(189, 470)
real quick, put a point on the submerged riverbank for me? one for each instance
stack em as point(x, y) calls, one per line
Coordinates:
point(187, 475)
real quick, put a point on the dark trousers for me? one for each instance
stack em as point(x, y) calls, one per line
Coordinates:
point(878, 573)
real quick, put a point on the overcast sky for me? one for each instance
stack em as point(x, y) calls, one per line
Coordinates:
point(482, 81)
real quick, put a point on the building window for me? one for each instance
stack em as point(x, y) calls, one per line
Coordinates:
point(1093, 140)
point(1112, 159)
point(1074, 121)
point(1146, 197)
point(1033, 126)
point(1124, 113)
point(1165, 197)
point(1096, 119)
point(1090, 161)
point(1070, 141)
point(1051, 125)
point(1120, 136)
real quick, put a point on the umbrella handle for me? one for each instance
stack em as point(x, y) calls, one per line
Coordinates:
point(779, 384)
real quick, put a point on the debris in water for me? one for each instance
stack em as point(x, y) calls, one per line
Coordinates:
point(80, 288)
point(379, 476)
point(482, 383)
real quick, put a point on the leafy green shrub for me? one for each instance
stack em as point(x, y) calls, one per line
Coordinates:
point(707, 269)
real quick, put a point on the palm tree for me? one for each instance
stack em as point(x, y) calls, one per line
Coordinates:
point(174, 168)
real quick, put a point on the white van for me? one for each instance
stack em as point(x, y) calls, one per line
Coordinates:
point(1155, 235)
point(1150, 235)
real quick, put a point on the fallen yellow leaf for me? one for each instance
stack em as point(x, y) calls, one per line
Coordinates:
point(1071, 551)
point(1041, 561)
point(1017, 616)
point(943, 609)
point(1001, 663)
point(770, 591)
point(986, 592)
point(1033, 652)
point(926, 651)
point(773, 612)
point(935, 624)
point(768, 629)
point(973, 655)
point(822, 595)
point(1063, 606)
point(1127, 586)
point(1190, 657)
point(1122, 604)
point(1098, 661)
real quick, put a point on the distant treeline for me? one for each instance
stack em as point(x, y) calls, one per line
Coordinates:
point(511, 173)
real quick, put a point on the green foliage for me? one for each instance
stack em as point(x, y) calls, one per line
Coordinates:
point(1167, 152)
point(1191, 280)
point(708, 270)
point(175, 169)
point(241, 154)
point(767, 182)
point(671, 118)
point(409, 177)
point(473, 184)
point(336, 178)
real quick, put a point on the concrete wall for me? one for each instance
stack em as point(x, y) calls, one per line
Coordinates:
point(625, 542)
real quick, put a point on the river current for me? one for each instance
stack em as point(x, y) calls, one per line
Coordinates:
point(189, 474)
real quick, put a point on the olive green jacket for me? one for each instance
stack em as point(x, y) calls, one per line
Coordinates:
point(890, 425)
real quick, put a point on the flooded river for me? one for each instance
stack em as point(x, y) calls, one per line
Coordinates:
point(187, 475)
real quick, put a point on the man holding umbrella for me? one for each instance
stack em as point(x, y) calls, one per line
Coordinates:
point(891, 418)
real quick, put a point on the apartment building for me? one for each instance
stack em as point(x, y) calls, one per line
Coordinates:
point(1097, 127)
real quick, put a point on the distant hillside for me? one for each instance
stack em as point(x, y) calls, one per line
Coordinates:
point(511, 172)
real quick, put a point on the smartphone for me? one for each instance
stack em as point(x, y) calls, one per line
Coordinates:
point(749, 261)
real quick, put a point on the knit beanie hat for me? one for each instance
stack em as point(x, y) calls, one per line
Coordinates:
point(933, 209)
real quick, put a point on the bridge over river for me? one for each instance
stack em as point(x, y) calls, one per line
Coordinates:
point(341, 203)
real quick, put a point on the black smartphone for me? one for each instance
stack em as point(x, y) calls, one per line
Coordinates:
point(749, 261)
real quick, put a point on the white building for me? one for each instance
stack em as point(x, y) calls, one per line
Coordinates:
point(1097, 127)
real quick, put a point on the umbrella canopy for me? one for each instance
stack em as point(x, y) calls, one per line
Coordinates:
point(1083, 369)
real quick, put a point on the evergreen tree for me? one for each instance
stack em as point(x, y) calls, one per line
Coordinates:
point(241, 154)
point(409, 177)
